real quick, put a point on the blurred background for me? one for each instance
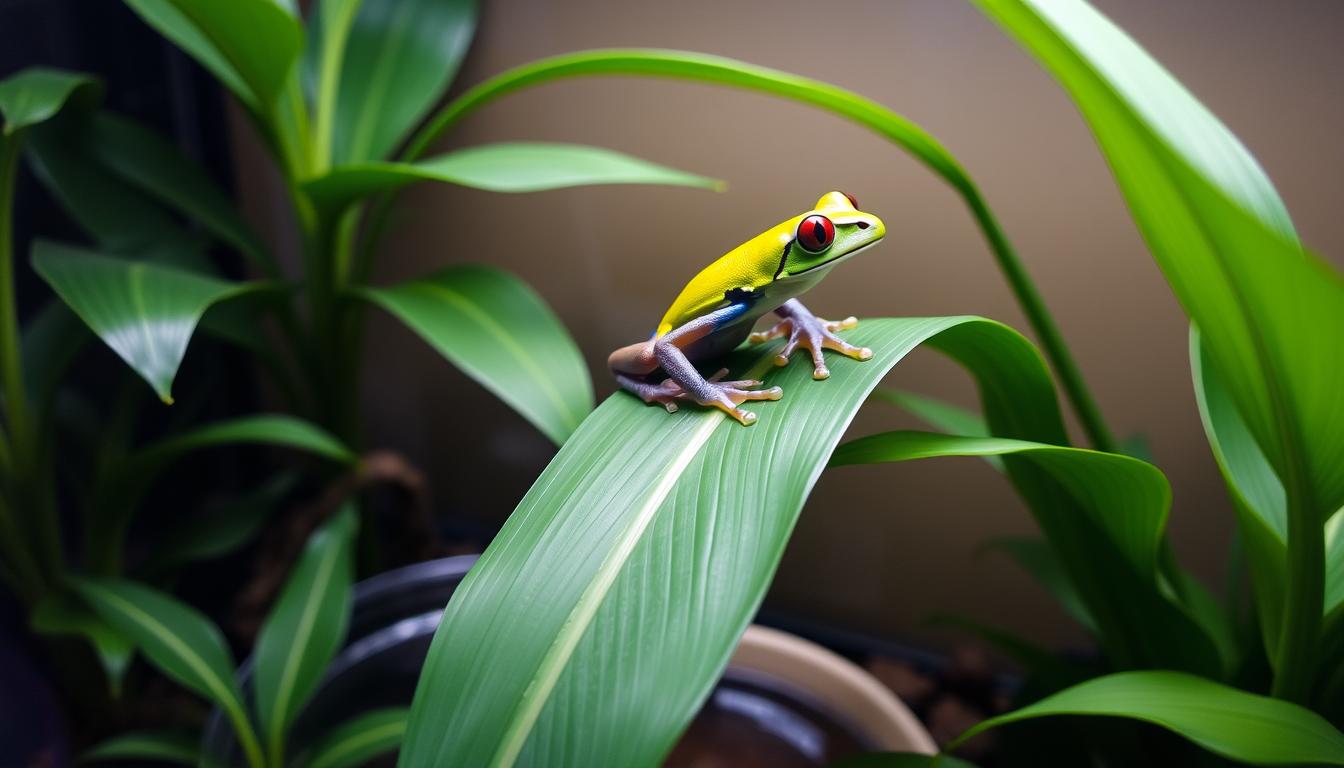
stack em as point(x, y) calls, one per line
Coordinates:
point(878, 548)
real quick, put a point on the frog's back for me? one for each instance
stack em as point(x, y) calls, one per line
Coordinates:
point(748, 267)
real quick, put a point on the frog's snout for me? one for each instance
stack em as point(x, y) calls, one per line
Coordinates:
point(872, 226)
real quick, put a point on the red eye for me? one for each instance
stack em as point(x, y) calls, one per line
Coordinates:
point(816, 233)
point(851, 199)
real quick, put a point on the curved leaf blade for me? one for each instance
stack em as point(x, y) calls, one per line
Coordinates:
point(558, 607)
point(1229, 722)
point(498, 331)
point(146, 313)
point(37, 94)
point(250, 45)
point(156, 167)
point(395, 62)
point(304, 629)
point(160, 746)
point(268, 428)
point(61, 614)
point(223, 529)
point(1271, 312)
point(503, 167)
point(177, 639)
point(358, 740)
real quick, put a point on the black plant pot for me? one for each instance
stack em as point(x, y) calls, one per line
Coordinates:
point(752, 718)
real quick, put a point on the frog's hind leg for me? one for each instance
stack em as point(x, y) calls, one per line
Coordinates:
point(668, 392)
point(685, 382)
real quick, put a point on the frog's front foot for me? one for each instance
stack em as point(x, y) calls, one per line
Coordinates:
point(715, 393)
point(814, 334)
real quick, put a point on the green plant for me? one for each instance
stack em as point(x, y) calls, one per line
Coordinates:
point(673, 526)
point(301, 635)
point(332, 99)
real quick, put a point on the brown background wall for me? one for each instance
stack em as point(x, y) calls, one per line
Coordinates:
point(877, 548)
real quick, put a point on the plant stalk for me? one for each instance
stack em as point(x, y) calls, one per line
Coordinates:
point(11, 360)
point(851, 106)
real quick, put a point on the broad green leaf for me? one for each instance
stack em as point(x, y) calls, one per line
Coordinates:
point(1104, 515)
point(390, 64)
point(146, 313)
point(177, 639)
point(1270, 312)
point(499, 332)
point(160, 746)
point(304, 629)
point(154, 166)
point(1257, 495)
point(683, 65)
point(250, 45)
point(1037, 559)
point(60, 614)
point(118, 216)
point(599, 618)
point(36, 94)
point(223, 529)
point(1229, 722)
point(502, 168)
point(360, 739)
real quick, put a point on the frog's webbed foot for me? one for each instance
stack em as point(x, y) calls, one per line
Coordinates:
point(713, 392)
point(814, 334)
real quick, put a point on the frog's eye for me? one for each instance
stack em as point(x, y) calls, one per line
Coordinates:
point(816, 233)
point(851, 200)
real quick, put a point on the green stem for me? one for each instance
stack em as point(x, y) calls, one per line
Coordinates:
point(247, 738)
point(1300, 632)
point(335, 31)
point(846, 104)
point(11, 362)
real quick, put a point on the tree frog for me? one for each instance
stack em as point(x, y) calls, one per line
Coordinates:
point(716, 310)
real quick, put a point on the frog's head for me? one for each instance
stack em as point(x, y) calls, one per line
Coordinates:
point(836, 229)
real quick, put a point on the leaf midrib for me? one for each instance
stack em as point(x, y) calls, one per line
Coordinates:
point(370, 736)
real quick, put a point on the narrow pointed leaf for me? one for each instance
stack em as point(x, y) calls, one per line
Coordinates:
point(158, 746)
point(223, 529)
point(156, 167)
point(1229, 722)
point(360, 739)
point(517, 167)
point(37, 94)
point(62, 614)
point(250, 45)
point(596, 623)
point(146, 313)
point(499, 332)
point(1270, 312)
point(1037, 559)
point(396, 61)
point(270, 429)
point(305, 629)
point(177, 639)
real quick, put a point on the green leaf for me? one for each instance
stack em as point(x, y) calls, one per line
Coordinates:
point(250, 45)
point(154, 166)
point(219, 531)
point(599, 618)
point(51, 340)
point(1268, 309)
point(177, 639)
point(162, 746)
point(1257, 495)
point(118, 216)
point(941, 415)
point(272, 429)
point(1104, 515)
point(305, 629)
point(499, 332)
point(358, 740)
point(146, 313)
point(1232, 723)
point(390, 62)
point(60, 614)
point(1036, 558)
point(37, 94)
point(514, 167)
